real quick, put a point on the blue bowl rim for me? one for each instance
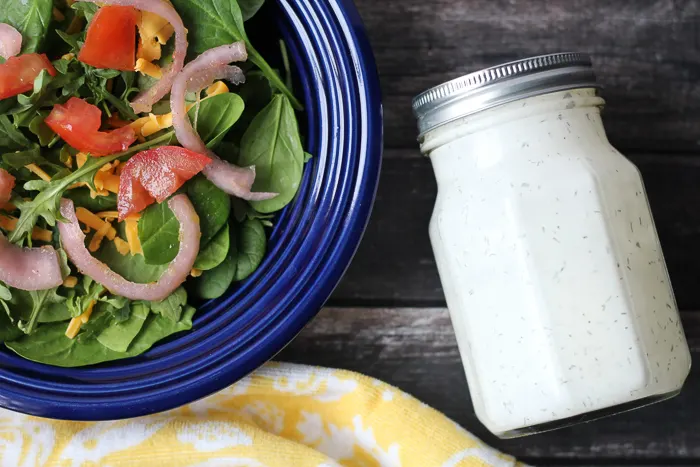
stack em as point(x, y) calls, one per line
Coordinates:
point(327, 39)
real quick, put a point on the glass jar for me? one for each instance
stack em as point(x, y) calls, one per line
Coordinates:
point(547, 251)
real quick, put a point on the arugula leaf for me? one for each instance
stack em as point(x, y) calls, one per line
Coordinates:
point(215, 116)
point(172, 306)
point(217, 22)
point(90, 291)
point(49, 344)
point(118, 336)
point(272, 144)
point(214, 252)
point(159, 233)
point(86, 9)
point(41, 299)
point(46, 204)
point(249, 8)
point(251, 244)
point(5, 293)
point(81, 197)
point(31, 18)
point(17, 160)
point(41, 130)
point(212, 205)
point(11, 139)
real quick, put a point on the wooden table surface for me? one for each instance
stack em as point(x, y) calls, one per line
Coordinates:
point(388, 317)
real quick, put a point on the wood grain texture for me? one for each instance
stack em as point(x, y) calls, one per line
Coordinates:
point(395, 263)
point(646, 53)
point(415, 349)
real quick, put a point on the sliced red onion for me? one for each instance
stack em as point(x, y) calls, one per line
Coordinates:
point(29, 268)
point(10, 41)
point(7, 183)
point(198, 74)
point(145, 100)
point(73, 241)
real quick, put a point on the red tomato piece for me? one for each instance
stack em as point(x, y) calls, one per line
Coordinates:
point(7, 183)
point(154, 175)
point(78, 123)
point(17, 74)
point(111, 39)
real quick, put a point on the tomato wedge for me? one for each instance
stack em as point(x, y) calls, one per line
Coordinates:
point(17, 74)
point(111, 39)
point(78, 123)
point(154, 175)
point(7, 183)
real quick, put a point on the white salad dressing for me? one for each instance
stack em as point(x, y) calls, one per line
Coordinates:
point(551, 265)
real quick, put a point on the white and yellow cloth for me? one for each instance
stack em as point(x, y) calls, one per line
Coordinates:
point(283, 415)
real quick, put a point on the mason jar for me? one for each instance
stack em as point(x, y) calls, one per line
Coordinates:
point(546, 248)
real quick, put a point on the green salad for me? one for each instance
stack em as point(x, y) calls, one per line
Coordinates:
point(146, 147)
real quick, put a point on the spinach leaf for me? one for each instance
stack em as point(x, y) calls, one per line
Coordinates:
point(159, 233)
point(172, 306)
point(251, 243)
point(215, 282)
point(81, 197)
point(272, 144)
point(249, 8)
point(217, 22)
point(11, 139)
point(214, 253)
point(212, 206)
point(256, 92)
point(118, 336)
point(132, 268)
point(46, 203)
point(49, 344)
point(29, 17)
point(8, 330)
point(215, 116)
point(246, 251)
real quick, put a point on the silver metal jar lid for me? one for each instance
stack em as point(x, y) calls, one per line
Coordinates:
point(501, 84)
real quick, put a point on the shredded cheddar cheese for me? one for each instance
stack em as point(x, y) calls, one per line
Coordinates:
point(81, 158)
point(106, 182)
point(70, 282)
point(148, 68)
point(94, 222)
point(73, 328)
point(68, 56)
point(96, 241)
point(219, 87)
point(122, 246)
point(132, 236)
point(78, 321)
point(9, 223)
point(36, 170)
point(196, 272)
point(108, 215)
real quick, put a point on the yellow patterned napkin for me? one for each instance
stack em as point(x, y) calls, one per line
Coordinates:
point(283, 415)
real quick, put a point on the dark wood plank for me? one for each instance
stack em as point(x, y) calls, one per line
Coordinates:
point(415, 349)
point(395, 264)
point(646, 52)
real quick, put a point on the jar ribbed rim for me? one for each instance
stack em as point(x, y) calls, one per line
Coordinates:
point(500, 84)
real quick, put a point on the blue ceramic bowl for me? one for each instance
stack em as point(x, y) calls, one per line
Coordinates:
point(310, 248)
